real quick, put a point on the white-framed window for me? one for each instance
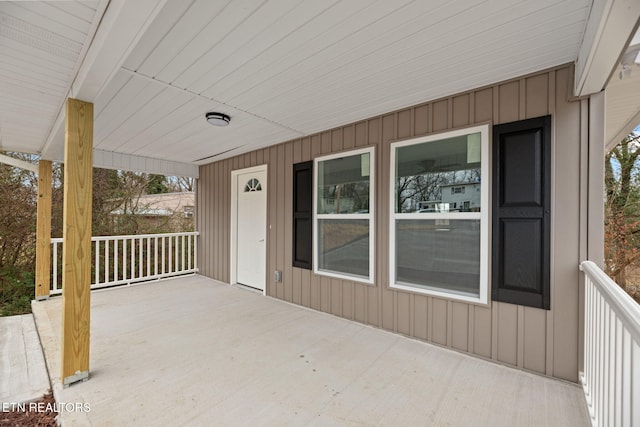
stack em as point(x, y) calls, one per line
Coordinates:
point(439, 228)
point(343, 217)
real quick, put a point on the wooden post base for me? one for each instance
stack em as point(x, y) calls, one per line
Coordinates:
point(77, 377)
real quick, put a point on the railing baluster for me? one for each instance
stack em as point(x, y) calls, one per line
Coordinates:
point(97, 266)
point(618, 367)
point(599, 367)
point(124, 259)
point(176, 267)
point(170, 252)
point(115, 260)
point(189, 252)
point(148, 256)
point(140, 255)
point(163, 255)
point(627, 379)
point(155, 256)
point(634, 373)
point(133, 258)
point(182, 251)
point(605, 361)
point(589, 375)
point(611, 407)
point(55, 266)
point(587, 331)
point(106, 261)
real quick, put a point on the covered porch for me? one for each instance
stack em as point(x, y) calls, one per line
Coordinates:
point(191, 350)
point(301, 83)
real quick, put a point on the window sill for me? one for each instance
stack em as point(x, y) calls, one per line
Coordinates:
point(343, 276)
point(477, 300)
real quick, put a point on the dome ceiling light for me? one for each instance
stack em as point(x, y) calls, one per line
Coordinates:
point(218, 119)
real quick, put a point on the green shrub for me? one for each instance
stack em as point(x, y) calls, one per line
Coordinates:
point(17, 289)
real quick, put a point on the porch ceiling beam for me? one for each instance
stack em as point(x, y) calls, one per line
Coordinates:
point(18, 163)
point(120, 161)
point(130, 162)
point(76, 234)
point(122, 26)
point(611, 25)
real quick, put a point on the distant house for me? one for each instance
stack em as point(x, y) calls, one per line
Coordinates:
point(463, 197)
point(175, 210)
point(458, 197)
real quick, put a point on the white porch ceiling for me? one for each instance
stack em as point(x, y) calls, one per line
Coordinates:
point(281, 69)
point(42, 45)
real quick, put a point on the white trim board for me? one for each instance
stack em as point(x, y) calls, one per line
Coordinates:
point(611, 26)
point(18, 163)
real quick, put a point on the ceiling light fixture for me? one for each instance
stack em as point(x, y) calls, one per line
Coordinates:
point(218, 119)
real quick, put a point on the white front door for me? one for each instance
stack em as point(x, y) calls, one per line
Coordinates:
point(251, 232)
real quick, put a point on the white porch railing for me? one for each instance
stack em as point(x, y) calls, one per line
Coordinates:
point(611, 377)
point(119, 260)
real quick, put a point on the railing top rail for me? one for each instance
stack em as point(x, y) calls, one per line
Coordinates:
point(625, 307)
point(133, 236)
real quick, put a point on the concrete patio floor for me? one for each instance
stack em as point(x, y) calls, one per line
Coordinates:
point(193, 351)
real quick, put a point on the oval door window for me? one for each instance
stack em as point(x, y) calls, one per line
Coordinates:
point(252, 185)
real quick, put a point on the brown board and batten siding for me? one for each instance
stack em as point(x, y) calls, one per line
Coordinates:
point(544, 341)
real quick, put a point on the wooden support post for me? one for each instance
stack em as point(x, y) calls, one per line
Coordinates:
point(76, 249)
point(43, 231)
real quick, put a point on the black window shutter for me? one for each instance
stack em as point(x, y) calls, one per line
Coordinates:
point(302, 215)
point(521, 210)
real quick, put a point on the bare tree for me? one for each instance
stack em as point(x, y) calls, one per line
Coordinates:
point(179, 184)
point(18, 191)
point(622, 212)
